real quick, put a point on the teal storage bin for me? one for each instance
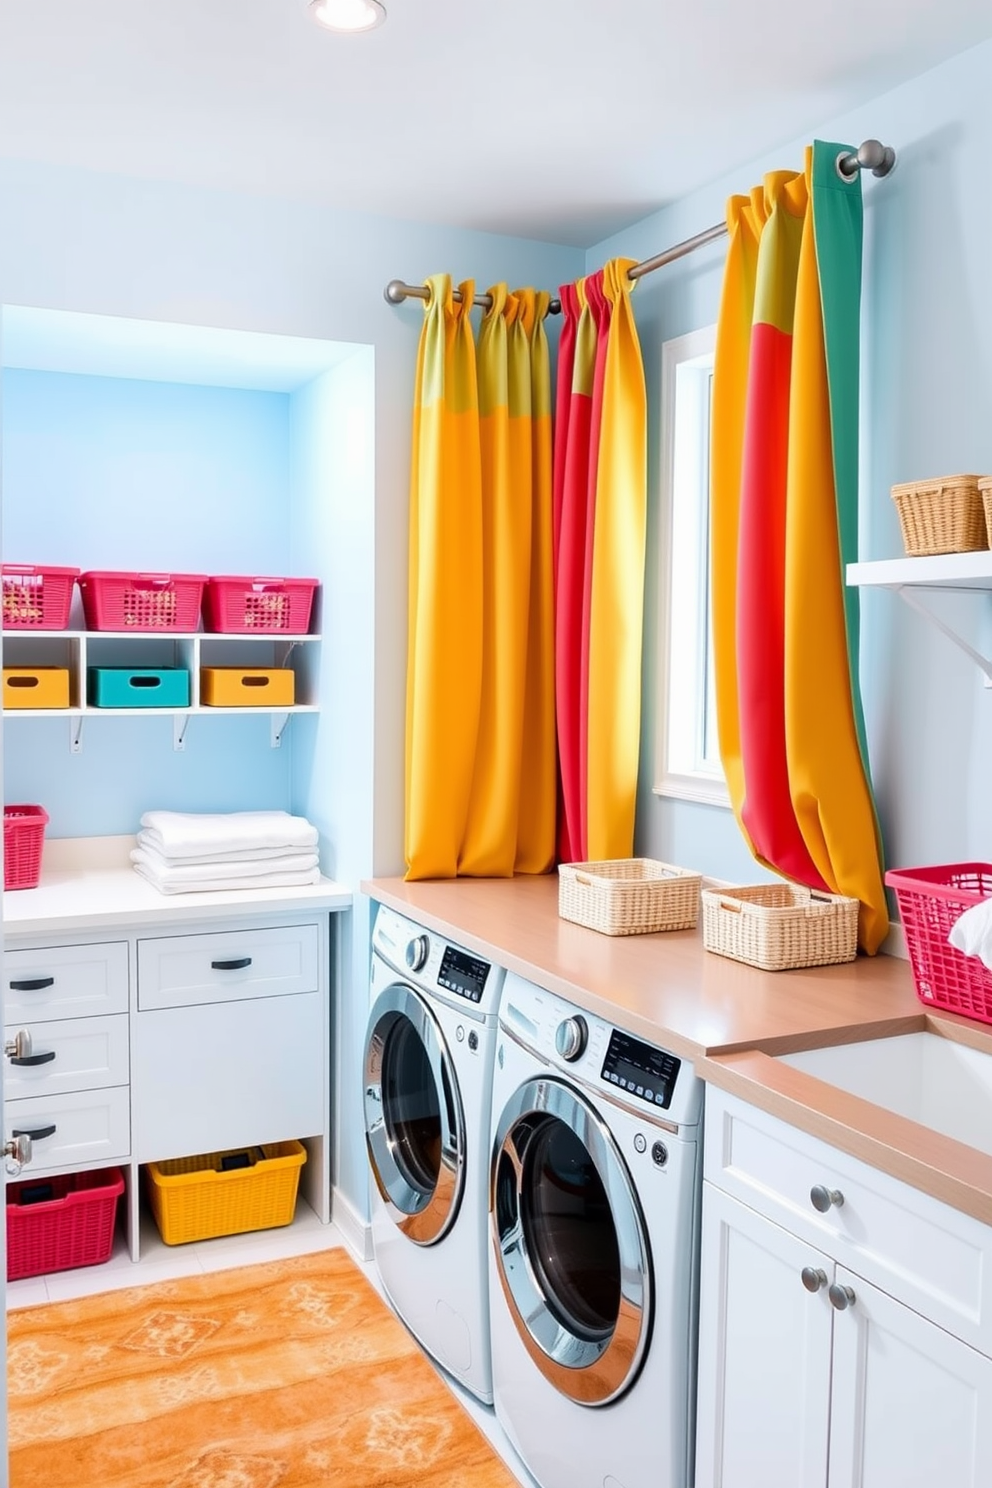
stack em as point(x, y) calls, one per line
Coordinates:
point(137, 687)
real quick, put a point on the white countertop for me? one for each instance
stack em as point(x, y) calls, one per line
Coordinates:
point(88, 883)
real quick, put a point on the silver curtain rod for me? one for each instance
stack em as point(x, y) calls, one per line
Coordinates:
point(871, 155)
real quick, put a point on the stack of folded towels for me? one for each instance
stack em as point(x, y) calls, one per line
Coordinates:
point(187, 852)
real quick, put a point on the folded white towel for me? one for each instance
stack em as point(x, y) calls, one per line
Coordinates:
point(165, 870)
point(212, 885)
point(181, 834)
point(972, 932)
point(274, 855)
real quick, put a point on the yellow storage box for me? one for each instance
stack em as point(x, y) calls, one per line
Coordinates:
point(247, 687)
point(36, 687)
point(225, 1193)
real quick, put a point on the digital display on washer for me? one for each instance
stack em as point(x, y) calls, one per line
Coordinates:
point(463, 974)
point(640, 1069)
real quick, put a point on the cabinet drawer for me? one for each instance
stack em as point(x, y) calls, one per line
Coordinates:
point(65, 982)
point(91, 1126)
point(914, 1247)
point(221, 1076)
point(182, 970)
point(89, 1053)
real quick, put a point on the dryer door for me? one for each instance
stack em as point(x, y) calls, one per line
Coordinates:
point(570, 1243)
point(414, 1127)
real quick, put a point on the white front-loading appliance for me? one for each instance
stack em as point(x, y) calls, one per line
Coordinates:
point(594, 1197)
point(429, 1053)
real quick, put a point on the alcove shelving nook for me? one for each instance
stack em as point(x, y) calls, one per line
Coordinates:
point(184, 1023)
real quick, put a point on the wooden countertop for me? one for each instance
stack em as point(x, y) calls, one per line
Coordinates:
point(728, 1018)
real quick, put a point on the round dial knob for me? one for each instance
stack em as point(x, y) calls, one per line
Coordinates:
point(417, 951)
point(571, 1037)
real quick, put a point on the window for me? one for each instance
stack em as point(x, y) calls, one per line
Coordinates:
point(688, 763)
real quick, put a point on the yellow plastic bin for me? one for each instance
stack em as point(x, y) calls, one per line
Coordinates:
point(225, 1193)
point(247, 687)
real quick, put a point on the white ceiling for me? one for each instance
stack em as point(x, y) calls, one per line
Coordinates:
point(557, 119)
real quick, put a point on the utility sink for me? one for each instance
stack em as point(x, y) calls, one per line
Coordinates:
point(933, 1080)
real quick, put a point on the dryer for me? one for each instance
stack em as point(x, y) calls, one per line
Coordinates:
point(594, 1220)
point(429, 1053)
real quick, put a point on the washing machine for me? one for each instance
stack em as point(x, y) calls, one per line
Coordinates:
point(594, 1218)
point(429, 1054)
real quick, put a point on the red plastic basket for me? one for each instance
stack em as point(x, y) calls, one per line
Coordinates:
point(248, 606)
point(63, 1221)
point(23, 842)
point(930, 901)
point(141, 601)
point(36, 598)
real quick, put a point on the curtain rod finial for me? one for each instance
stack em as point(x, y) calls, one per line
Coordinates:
point(871, 155)
point(395, 292)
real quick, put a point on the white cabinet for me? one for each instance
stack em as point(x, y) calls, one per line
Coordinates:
point(189, 1031)
point(818, 1366)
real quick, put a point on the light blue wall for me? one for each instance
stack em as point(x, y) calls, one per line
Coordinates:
point(184, 479)
point(926, 398)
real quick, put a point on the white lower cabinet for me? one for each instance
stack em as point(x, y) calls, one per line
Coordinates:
point(811, 1375)
point(171, 1040)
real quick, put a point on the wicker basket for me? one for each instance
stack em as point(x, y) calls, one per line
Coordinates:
point(225, 1193)
point(943, 515)
point(628, 896)
point(780, 926)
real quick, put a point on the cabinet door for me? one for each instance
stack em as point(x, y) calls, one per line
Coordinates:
point(764, 1354)
point(912, 1406)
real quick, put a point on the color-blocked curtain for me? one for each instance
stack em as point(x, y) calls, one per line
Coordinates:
point(600, 504)
point(480, 744)
point(783, 528)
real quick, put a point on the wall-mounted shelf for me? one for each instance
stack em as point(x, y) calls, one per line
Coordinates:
point(912, 578)
point(78, 649)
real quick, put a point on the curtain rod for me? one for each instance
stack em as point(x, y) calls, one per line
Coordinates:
point(871, 155)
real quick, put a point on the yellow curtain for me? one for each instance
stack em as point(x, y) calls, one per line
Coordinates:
point(617, 594)
point(783, 525)
point(480, 664)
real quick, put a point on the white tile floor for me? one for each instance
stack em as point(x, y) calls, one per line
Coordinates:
point(161, 1262)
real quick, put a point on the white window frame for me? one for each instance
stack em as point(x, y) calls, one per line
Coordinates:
point(682, 768)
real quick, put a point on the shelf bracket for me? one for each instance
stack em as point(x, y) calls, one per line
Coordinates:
point(76, 734)
point(277, 727)
point(180, 723)
point(911, 595)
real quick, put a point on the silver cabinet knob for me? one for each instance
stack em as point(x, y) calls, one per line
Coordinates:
point(17, 1153)
point(823, 1198)
point(571, 1037)
point(841, 1297)
point(813, 1278)
point(417, 951)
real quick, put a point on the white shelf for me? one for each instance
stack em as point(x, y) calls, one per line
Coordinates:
point(942, 571)
point(912, 578)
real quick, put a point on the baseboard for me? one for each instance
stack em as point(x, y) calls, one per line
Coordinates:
point(894, 943)
point(355, 1231)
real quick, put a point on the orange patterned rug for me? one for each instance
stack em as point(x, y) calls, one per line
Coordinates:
point(288, 1375)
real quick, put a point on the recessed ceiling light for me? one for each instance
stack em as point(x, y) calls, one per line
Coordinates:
point(348, 15)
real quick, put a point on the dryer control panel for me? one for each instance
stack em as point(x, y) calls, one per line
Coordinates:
point(641, 1069)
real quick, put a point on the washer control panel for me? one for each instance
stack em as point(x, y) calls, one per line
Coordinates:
point(463, 974)
point(640, 1069)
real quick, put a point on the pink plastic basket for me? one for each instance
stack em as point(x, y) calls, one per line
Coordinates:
point(248, 606)
point(930, 901)
point(63, 1221)
point(23, 842)
point(36, 598)
point(141, 601)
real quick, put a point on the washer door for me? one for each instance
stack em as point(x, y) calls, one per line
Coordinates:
point(571, 1247)
point(414, 1127)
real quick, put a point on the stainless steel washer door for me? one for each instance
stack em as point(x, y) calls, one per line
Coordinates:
point(570, 1242)
point(414, 1127)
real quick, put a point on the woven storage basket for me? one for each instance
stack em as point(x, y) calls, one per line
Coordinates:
point(780, 926)
point(943, 515)
point(985, 487)
point(628, 896)
point(194, 1198)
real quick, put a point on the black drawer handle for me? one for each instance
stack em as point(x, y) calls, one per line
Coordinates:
point(22, 1059)
point(238, 965)
point(35, 1133)
point(35, 984)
